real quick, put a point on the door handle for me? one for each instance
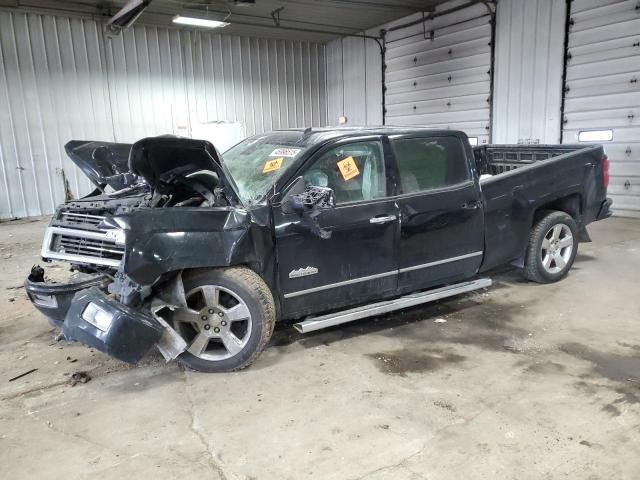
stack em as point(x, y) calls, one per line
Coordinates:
point(382, 219)
point(471, 205)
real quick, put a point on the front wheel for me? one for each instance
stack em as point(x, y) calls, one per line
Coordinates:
point(228, 321)
point(553, 245)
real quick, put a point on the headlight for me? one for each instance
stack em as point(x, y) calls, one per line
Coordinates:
point(96, 316)
point(117, 235)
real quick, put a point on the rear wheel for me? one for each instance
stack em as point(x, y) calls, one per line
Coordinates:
point(228, 321)
point(553, 245)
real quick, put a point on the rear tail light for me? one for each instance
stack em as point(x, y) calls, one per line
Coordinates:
point(605, 171)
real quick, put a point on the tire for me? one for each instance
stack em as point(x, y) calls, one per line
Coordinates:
point(553, 245)
point(250, 336)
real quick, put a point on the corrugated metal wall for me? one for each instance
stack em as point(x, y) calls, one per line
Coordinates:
point(438, 71)
point(528, 71)
point(603, 89)
point(354, 81)
point(61, 79)
point(52, 88)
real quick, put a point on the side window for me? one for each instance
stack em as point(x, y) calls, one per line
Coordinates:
point(354, 171)
point(429, 163)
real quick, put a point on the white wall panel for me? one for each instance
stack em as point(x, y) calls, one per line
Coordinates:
point(354, 81)
point(146, 75)
point(438, 71)
point(61, 79)
point(528, 77)
point(52, 89)
point(602, 89)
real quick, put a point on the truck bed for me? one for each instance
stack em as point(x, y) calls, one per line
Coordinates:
point(497, 159)
point(528, 178)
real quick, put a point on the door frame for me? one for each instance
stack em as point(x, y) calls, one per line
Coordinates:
point(288, 182)
point(472, 181)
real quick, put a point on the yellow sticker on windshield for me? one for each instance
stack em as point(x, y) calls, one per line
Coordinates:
point(348, 168)
point(272, 165)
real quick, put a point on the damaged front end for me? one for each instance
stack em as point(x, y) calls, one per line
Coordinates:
point(86, 313)
point(132, 237)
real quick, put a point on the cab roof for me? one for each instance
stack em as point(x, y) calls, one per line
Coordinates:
point(315, 135)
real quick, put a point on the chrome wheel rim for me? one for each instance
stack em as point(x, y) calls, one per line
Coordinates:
point(556, 248)
point(216, 324)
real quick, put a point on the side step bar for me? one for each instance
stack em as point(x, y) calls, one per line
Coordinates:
point(379, 308)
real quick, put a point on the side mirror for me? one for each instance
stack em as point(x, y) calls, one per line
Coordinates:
point(300, 198)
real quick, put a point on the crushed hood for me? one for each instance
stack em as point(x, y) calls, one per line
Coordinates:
point(166, 160)
point(105, 163)
point(161, 162)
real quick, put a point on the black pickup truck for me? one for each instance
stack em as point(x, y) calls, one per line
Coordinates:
point(200, 253)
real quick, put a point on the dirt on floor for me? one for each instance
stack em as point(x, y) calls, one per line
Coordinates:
point(520, 381)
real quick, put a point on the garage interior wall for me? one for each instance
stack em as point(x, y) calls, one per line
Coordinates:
point(62, 79)
point(602, 90)
point(528, 71)
point(354, 80)
point(440, 80)
point(439, 69)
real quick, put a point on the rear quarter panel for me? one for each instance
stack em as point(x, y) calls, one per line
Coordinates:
point(512, 199)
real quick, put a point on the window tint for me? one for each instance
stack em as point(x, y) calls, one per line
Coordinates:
point(428, 163)
point(355, 172)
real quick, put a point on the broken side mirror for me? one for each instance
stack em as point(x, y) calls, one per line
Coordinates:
point(301, 198)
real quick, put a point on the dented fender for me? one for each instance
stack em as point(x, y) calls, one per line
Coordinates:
point(160, 241)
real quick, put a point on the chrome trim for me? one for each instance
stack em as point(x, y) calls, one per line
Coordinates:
point(381, 275)
point(379, 308)
point(339, 284)
point(46, 251)
point(83, 215)
point(388, 218)
point(440, 262)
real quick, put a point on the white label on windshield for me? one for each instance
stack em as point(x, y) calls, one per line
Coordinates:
point(285, 152)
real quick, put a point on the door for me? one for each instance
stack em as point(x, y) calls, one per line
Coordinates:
point(602, 92)
point(438, 70)
point(349, 256)
point(441, 216)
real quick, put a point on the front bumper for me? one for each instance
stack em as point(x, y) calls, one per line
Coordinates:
point(54, 299)
point(123, 333)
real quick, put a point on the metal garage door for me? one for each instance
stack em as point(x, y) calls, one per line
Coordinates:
point(602, 90)
point(439, 71)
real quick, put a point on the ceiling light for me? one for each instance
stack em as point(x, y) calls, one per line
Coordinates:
point(199, 22)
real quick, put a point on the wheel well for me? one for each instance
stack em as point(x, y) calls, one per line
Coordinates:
point(252, 267)
point(571, 204)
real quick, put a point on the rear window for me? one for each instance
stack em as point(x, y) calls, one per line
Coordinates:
point(430, 162)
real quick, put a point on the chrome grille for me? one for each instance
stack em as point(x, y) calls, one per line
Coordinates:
point(81, 219)
point(81, 246)
point(86, 246)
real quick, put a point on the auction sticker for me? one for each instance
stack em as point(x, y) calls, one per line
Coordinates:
point(285, 152)
point(272, 165)
point(348, 168)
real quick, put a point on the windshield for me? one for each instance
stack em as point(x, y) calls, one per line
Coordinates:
point(257, 162)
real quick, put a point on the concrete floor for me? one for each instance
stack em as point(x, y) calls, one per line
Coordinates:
point(522, 381)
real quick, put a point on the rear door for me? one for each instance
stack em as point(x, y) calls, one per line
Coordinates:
point(441, 216)
point(349, 256)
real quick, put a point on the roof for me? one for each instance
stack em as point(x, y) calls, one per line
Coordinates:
point(311, 136)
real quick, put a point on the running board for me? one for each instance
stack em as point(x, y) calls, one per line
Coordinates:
point(379, 308)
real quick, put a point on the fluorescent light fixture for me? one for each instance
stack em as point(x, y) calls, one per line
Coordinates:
point(595, 136)
point(199, 22)
point(473, 141)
